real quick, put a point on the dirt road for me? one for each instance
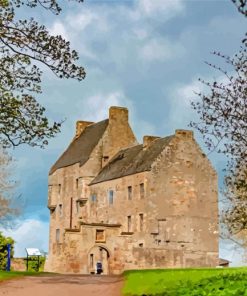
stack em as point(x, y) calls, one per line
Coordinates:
point(63, 285)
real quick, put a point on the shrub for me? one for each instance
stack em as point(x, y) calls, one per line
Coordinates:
point(34, 265)
point(4, 241)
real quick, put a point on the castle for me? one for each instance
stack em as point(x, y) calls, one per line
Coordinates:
point(130, 205)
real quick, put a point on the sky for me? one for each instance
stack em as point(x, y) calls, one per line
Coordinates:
point(146, 55)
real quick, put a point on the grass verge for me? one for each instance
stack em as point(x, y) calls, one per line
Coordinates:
point(209, 281)
point(5, 275)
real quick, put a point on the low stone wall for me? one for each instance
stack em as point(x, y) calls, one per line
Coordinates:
point(18, 264)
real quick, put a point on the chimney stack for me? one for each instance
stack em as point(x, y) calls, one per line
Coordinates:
point(184, 134)
point(148, 140)
point(118, 114)
point(80, 126)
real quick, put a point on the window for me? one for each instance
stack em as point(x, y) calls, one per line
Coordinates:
point(57, 235)
point(59, 188)
point(60, 209)
point(93, 198)
point(105, 158)
point(91, 261)
point(129, 192)
point(77, 206)
point(77, 183)
point(142, 193)
point(110, 196)
point(100, 235)
point(129, 224)
point(141, 221)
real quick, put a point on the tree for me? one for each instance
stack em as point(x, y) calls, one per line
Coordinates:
point(241, 6)
point(4, 241)
point(8, 204)
point(235, 215)
point(223, 111)
point(223, 124)
point(24, 45)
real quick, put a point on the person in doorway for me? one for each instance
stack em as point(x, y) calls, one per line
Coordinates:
point(99, 268)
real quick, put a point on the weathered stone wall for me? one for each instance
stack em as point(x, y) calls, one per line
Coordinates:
point(18, 264)
point(166, 217)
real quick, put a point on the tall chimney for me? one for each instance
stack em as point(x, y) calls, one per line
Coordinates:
point(148, 140)
point(80, 126)
point(185, 134)
point(118, 114)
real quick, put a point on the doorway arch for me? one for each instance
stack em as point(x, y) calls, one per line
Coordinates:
point(98, 253)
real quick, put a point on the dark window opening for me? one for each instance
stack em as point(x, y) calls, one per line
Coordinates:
point(57, 235)
point(60, 209)
point(129, 192)
point(129, 224)
point(77, 206)
point(141, 221)
point(91, 261)
point(142, 192)
point(110, 196)
point(93, 198)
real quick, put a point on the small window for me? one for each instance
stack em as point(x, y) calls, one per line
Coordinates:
point(59, 188)
point(77, 206)
point(110, 196)
point(129, 226)
point(57, 235)
point(129, 192)
point(141, 245)
point(105, 158)
point(60, 209)
point(91, 261)
point(77, 183)
point(141, 221)
point(142, 192)
point(93, 198)
point(100, 235)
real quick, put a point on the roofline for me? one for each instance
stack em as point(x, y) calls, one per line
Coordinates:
point(51, 171)
point(92, 183)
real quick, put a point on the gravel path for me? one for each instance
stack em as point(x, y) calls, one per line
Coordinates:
point(63, 285)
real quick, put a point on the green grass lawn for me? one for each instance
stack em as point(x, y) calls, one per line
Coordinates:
point(210, 281)
point(5, 275)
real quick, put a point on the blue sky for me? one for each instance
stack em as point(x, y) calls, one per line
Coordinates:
point(146, 55)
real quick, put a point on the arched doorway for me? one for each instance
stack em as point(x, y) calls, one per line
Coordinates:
point(98, 253)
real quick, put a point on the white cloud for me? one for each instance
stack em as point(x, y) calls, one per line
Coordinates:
point(58, 28)
point(87, 18)
point(154, 7)
point(96, 107)
point(109, 23)
point(160, 50)
point(180, 110)
point(140, 33)
point(29, 234)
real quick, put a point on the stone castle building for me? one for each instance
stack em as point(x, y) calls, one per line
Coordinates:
point(130, 205)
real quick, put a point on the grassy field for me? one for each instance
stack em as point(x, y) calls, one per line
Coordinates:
point(4, 275)
point(210, 281)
